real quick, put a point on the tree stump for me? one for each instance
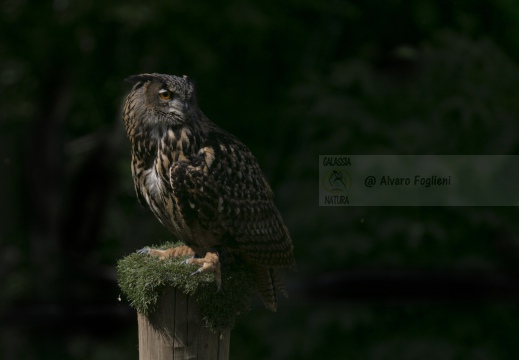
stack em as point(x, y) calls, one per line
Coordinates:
point(175, 330)
point(182, 314)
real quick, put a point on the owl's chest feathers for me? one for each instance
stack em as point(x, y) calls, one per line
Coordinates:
point(153, 160)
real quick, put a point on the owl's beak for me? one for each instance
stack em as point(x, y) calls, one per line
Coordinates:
point(185, 108)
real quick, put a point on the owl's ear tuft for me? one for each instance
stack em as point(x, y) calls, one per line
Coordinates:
point(134, 79)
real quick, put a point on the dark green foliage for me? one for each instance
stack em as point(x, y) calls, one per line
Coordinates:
point(143, 278)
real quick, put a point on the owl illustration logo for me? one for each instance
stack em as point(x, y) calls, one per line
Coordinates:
point(336, 181)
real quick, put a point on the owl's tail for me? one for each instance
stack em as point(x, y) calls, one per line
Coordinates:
point(268, 281)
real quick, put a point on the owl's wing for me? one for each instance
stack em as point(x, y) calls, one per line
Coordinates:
point(225, 191)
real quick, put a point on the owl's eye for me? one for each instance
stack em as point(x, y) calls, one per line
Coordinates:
point(165, 94)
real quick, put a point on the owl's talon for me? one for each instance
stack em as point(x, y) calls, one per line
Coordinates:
point(196, 272)
point(144, 250)
point(186, 261)
point(211, 263)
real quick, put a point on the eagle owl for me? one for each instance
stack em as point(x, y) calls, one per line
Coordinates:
point(203, 184)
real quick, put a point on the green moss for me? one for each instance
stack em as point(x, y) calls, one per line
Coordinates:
point(143, 278)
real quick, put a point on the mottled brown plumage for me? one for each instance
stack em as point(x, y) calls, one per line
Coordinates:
point(202, 183)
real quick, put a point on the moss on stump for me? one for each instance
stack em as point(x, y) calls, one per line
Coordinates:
point(143, 278)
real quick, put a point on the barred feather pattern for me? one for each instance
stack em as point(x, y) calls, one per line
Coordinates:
point(202, 183)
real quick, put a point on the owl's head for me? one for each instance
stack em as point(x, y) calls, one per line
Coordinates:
point(161, 99)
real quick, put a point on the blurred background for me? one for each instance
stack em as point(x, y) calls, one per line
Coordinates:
point(293, 80)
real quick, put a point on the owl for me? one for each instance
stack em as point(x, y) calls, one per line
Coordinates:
point(203, 184)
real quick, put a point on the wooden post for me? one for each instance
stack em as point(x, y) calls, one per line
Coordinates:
point(175, 331)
